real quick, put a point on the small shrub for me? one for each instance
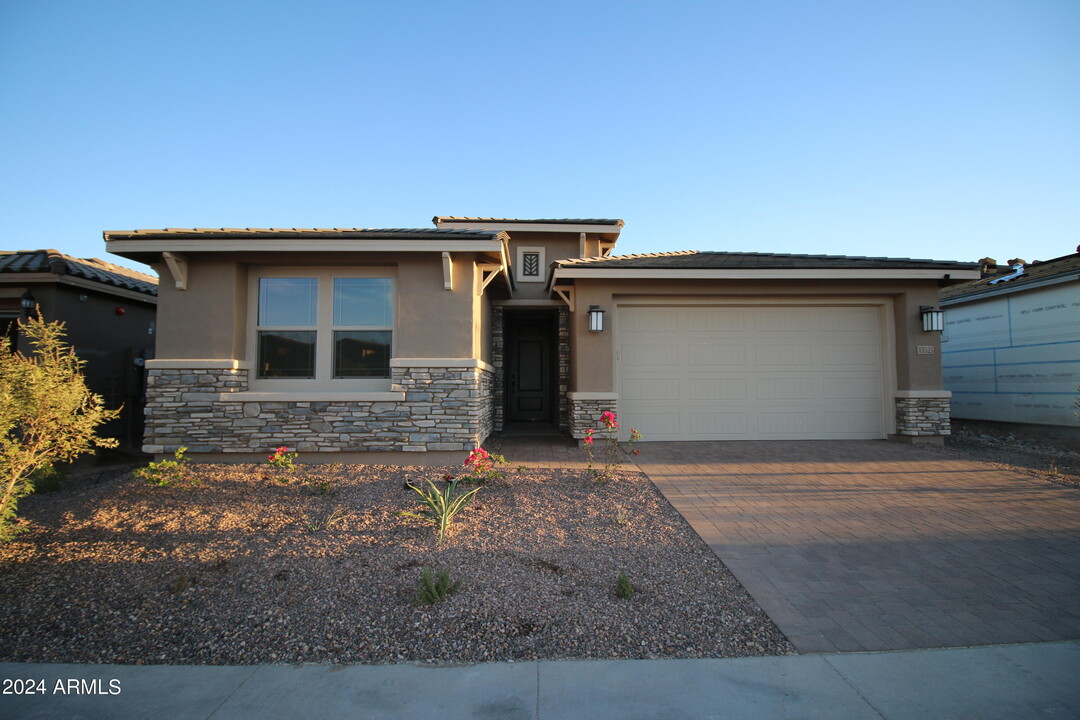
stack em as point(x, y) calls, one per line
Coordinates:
point(321, 486)
point(283, 459)
point(1053, 470)
point(47, 414)
point(164, 472)
point(609, 455)
point(621, 516)
point(440, 506)
point(435, 589)
point(484, 467)
point(623, 588)
point(47, 478)
point(336, 516)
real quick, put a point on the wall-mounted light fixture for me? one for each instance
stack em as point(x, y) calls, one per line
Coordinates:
point(28, 303)
point(596, 319)
point(933, 320)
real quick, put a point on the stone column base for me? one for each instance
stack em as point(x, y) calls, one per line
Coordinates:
point(586, 409)
point(922, 415)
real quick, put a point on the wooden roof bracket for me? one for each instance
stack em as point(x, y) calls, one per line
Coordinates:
point(447, 271)
point(487, 273)
point(178, 268)
point(566, 292)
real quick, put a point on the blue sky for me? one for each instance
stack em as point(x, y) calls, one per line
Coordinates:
point(946, 129)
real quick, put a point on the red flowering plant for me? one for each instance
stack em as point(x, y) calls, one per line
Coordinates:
point(483, 466)
point(605, 458)
point(282, 458)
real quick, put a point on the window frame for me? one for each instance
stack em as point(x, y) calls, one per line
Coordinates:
point(324, 329)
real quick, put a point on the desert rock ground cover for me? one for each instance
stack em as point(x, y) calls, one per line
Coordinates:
point(234, 566)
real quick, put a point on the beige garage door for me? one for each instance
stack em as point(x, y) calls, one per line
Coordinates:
point(762, 372)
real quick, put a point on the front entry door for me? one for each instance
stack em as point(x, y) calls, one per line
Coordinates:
point(528, 353)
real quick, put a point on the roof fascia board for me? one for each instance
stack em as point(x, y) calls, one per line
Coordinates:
point(530, 227)
point(120, 247)
point(988, 293)
point(83, 283)
point(765, 274)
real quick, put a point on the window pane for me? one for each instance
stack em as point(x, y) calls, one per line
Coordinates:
point(288, 302)
point(364, 302)
point(362, 353)
point(287, 354)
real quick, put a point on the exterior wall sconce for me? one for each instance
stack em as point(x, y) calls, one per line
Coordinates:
point(28, 303)
point(596, 319)
point(933, 320)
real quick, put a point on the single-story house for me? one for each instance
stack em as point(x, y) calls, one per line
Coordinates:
point(108, 313)
point(356, 340)
point(1011, 345)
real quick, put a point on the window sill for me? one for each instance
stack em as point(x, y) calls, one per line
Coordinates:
point(314, 396)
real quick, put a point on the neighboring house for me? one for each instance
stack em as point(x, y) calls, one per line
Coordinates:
point(108, 314)
point(1011, 346)
point(344, 340)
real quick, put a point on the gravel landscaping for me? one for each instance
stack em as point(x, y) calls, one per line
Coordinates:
point(248, 564)
point(1046, 453)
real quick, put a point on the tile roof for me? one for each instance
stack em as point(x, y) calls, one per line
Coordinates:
point(52, 261)
point(1034, 273)
point(400, 233)
point(539, 221)
point(693, 259)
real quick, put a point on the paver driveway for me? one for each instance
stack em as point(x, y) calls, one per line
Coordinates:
point(873, 545)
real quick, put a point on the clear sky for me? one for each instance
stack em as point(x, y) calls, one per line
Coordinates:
point(947, 129)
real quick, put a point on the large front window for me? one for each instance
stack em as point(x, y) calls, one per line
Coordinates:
point(323, 326)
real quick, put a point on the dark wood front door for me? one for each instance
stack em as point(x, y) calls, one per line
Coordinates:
point(529, 345)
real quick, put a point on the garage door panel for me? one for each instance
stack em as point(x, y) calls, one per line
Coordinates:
point(658, 356)
point(704, 389)
point(785, 388)
point(657, 426)
point(852, 321)
point(735, 424)
point(851, 388)
point(659, 389)
point(784, 423)
point(708, 320)
point(851, 355)
point(648, 320)
point(783, 320)
point(724, 356)
point(774, 355)
point(777, 372)
point(853, 424)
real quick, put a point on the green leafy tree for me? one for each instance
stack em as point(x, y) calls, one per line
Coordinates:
point(47, 414)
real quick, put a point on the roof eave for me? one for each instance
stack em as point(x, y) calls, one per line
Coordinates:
point(141, 246)
point(947, 273)
point(989, 291)
point(607, 230)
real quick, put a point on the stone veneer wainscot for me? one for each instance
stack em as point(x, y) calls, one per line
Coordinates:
point(444, 408)
point(923, 414)
point(586, 409)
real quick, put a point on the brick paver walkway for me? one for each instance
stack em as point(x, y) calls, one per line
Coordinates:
point(872, 545)
point(549, 452)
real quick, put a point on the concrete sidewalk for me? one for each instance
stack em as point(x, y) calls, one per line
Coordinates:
point(1003, 681)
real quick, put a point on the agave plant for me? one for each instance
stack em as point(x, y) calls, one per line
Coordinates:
point(440, 506)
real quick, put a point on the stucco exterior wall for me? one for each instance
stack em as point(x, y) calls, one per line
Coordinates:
point(429, 320)
point(207, 320)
